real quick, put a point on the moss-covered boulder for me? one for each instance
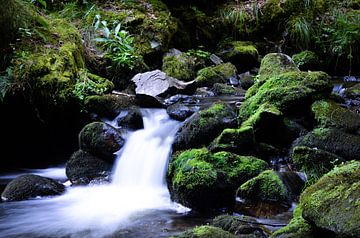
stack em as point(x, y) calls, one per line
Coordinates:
point(266, 187)
point(334, 141)
point(274, 64)
point(291, 92)
point(100, 139)
point(353, 92)
point(31, 186)
point(241, 226)
point(108, 105)
point(332, 204)
point(239, 141)
point(221, 89)
point(306, 60)
point(205, 232)
point(201, 180)
point(328, 114)
point(84, 167)
point(298, 227)
point(313, 161)
point(204, 126)
point(216, 74)
point(242, 54)
point(180, 66)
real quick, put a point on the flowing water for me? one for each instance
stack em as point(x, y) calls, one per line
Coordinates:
point(137, 202)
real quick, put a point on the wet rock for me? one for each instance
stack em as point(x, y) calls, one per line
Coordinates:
point(31, 186)
point(83, 167)
point(241, 226)
point(100, 139)
point(143, 100)
point(180, 98)
point(157, 83)
point(246, 80)
point(332, 203)
point(215, 74)
point(201, 180)
point(353, 92)
point(223, 89)
point(179, 111)
point(204, 126)
point(109, 105)
point(293, 182)
point(131, 119)
point(205, 232)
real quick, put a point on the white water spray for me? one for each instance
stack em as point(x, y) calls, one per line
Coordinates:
point(138, 186)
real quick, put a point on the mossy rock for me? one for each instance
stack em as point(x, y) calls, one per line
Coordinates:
point(239, 141)
point(31, 186)
point(306, 60)
point(240, 226)
point(215, 74)
point(181, 67)
point(291, 92)
point(242, 54)
point(204, 126)
point(332, 204)
point(266, 187)
point(298, 227)
point(201, 180)
point(205, 232)
point(353, 92)
point(83, 167)
point(221, 89)
point(314, 162)
point(108, 105)
point(334, 141)
point(328, 114)
point(100, 139)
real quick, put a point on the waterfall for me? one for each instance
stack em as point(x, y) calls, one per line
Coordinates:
point(138, 188)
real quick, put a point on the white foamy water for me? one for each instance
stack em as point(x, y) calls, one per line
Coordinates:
point(138, 188)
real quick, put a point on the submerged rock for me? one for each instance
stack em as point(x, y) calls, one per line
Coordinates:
point(179, 111)
point(100, 139)
point(201, 180)
point(131, 119)
point(31, 186)
point(84, 167)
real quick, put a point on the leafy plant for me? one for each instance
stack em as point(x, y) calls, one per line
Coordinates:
point(300, 32)
point(6, 80)
point(39, 2)
point(198, 53)
point(117, 42)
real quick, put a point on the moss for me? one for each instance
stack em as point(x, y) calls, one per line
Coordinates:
point(297, 227)
point(266, 187)
point(239, 141)
point(272, 11)
point(334, 141)
point(224, 89)
point(205, 232)
point(215, 74)
point(306, 60)
point(314, 162)
point(288, 92)
point(274, 64)
point(330, 115)
point(333, 202)
point(261, 114)
point(181, 67)
point(202, 180)
point(353, 92)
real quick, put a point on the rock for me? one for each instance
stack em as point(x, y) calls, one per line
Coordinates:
point(353, 92)
point(241, 226)
point(306, 60)
point(143, 100)
point(179, 111)
point(246, 80)
point(293, 182)
point(332, 203)
point(240, 141)
point(274, 64)
point(204, 126)
point(83, 167)
point(243, 54)
point(313, 161)
point(334, 141)
point(109, 105)
point(157, 83)
point(179, 66)
point(215, 74)
point(328, 114)
point(216, 59)
point(221, 89)
point(205, 232)
point(131, 119)
point(297, 227)
point(201, 180)
point(31, 186)
point(101, 140)
point(267, 187)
